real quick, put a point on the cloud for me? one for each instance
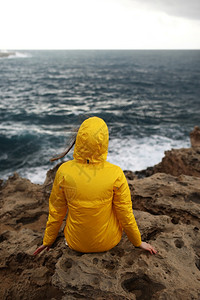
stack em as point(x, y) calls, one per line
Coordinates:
point(99, 24)
point(179, 8)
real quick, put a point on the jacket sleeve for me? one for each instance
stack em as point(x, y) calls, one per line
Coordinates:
point(123, 207)
point(57, 210)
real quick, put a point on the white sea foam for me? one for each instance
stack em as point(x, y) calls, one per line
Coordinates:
point(14, 54)
point(138, 154)
point(11, 129)
point(20, 55)
point(35, 174)
point(129, 154)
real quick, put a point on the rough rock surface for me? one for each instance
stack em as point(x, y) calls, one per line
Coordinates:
point(195, 137)
point(167, 210)
point(180, 161)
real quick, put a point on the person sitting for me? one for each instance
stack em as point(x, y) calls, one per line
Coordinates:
point(95, 196)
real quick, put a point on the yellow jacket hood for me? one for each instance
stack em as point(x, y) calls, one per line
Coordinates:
point(92, 141)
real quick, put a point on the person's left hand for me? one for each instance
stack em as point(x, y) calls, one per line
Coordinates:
point(148, 247)
point(40, 249)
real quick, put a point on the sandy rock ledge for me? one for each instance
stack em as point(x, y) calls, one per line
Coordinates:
point(167, 209)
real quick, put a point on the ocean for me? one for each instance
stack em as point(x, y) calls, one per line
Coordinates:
point(150, 100)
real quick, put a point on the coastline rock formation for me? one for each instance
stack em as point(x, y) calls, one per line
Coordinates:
point(195, 137)
point(185, 161)
point(6, 54)
point(167, 209)
point(180, 161)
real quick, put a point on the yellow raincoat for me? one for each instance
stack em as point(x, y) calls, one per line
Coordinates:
point(94, 192)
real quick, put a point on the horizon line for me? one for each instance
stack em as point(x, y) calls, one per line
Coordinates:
point(94, 49)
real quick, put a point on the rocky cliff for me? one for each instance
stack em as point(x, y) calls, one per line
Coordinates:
point(6, 54)
point(167, 208)
point(179, 161)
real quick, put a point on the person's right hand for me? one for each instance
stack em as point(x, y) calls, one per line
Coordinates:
point(40, 249)
point(148, 247)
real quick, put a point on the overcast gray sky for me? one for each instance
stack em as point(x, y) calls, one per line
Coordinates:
point(100, 24)
point(189, 9)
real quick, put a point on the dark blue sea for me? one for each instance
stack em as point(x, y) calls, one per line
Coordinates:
point(149, 99)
